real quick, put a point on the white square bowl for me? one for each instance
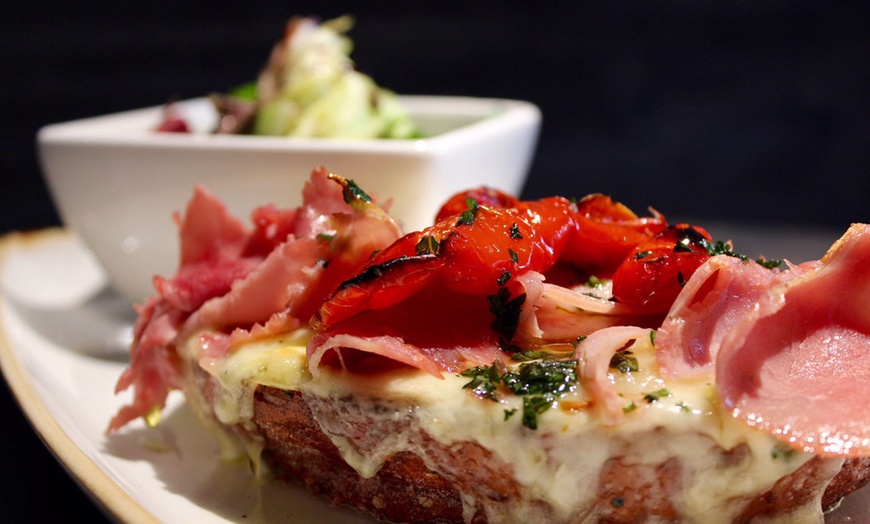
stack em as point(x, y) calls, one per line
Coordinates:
point(116, 182)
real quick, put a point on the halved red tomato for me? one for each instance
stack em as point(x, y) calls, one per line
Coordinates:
point(654, 272)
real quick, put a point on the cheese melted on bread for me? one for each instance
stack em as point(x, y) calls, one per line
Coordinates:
point(722, 462)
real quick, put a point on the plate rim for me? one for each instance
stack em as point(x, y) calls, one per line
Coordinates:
point(105, 492)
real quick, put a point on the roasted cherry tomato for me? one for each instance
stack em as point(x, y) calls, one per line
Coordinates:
point(484, 196)
point(606, 232)
point(472, 253)
point(475, 248)
point(654, 272)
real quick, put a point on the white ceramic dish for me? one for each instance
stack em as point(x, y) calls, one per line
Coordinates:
point(61, 336)
point(117, 183)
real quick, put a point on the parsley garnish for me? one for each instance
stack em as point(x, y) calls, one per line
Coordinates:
point(506, 311)
point(595, 282)
point(515, 232)
point(768, 264)
point(528, 355)
point(502, 280)
point(514, 258)
point(624, 361)
point(484, 380)
point(534, 406)
point(353, 192)
point(326, 237)
point(653, 396)
point(540, 383)
point(428, 245)
point(467, 217)
point(724, 248)
point(683, 245)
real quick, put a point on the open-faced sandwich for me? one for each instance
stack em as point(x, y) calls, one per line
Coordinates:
point(518, 361)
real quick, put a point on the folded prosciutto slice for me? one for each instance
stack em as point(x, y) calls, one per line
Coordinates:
point(246, 283)
point(798, 363)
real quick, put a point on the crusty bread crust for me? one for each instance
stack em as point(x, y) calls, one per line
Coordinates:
point(406, 490)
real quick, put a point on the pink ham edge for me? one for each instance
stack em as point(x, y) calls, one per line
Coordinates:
point(565, 314)
point(595, 353)
point(797, 365)
point(391, 347)
point(212, 240)
point(721, 292)
point(207, 233)
point(280, 281)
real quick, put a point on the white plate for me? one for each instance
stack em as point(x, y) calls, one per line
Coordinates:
point(62, 340)
point(62, 345)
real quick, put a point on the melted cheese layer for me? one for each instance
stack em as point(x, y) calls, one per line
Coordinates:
point(722, 463)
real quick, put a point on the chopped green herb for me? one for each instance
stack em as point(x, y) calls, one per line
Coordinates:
point(781, 451)
point(652, 337)
point(681, 279)
point(508, 413)
point(724, 248)
point(428, 245)
point(514, 258)
point(629, 407)
point(768, 264)
point(353, 192)
point(325, 236)
point(653, 396)
point(467, 217)
point(502, 280)
point(540, 384)
point(553, 377)
point(526, 356)
point(683, 407)
point(534, 406)
point(509, 348)
point(595, 282)
point(642, 254)
point(624, 361)
point(578, 340)
point(515, 232)
point(506, 311)
point(683, 245)
point(484, 380)
point(720, 248)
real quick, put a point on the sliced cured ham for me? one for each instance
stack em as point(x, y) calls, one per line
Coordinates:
point(720, 293)
point(245, 284)
point(798, 364)
point(596, 351)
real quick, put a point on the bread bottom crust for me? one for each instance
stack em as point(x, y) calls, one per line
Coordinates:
point(406, 490)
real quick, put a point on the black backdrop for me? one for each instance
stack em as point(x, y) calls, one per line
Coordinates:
point(738, 111)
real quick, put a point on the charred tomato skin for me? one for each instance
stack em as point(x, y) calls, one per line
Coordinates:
point(485, 237)
point(654, 273)
point(484, 196)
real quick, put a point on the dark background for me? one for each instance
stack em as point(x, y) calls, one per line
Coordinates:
point(740, 111)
